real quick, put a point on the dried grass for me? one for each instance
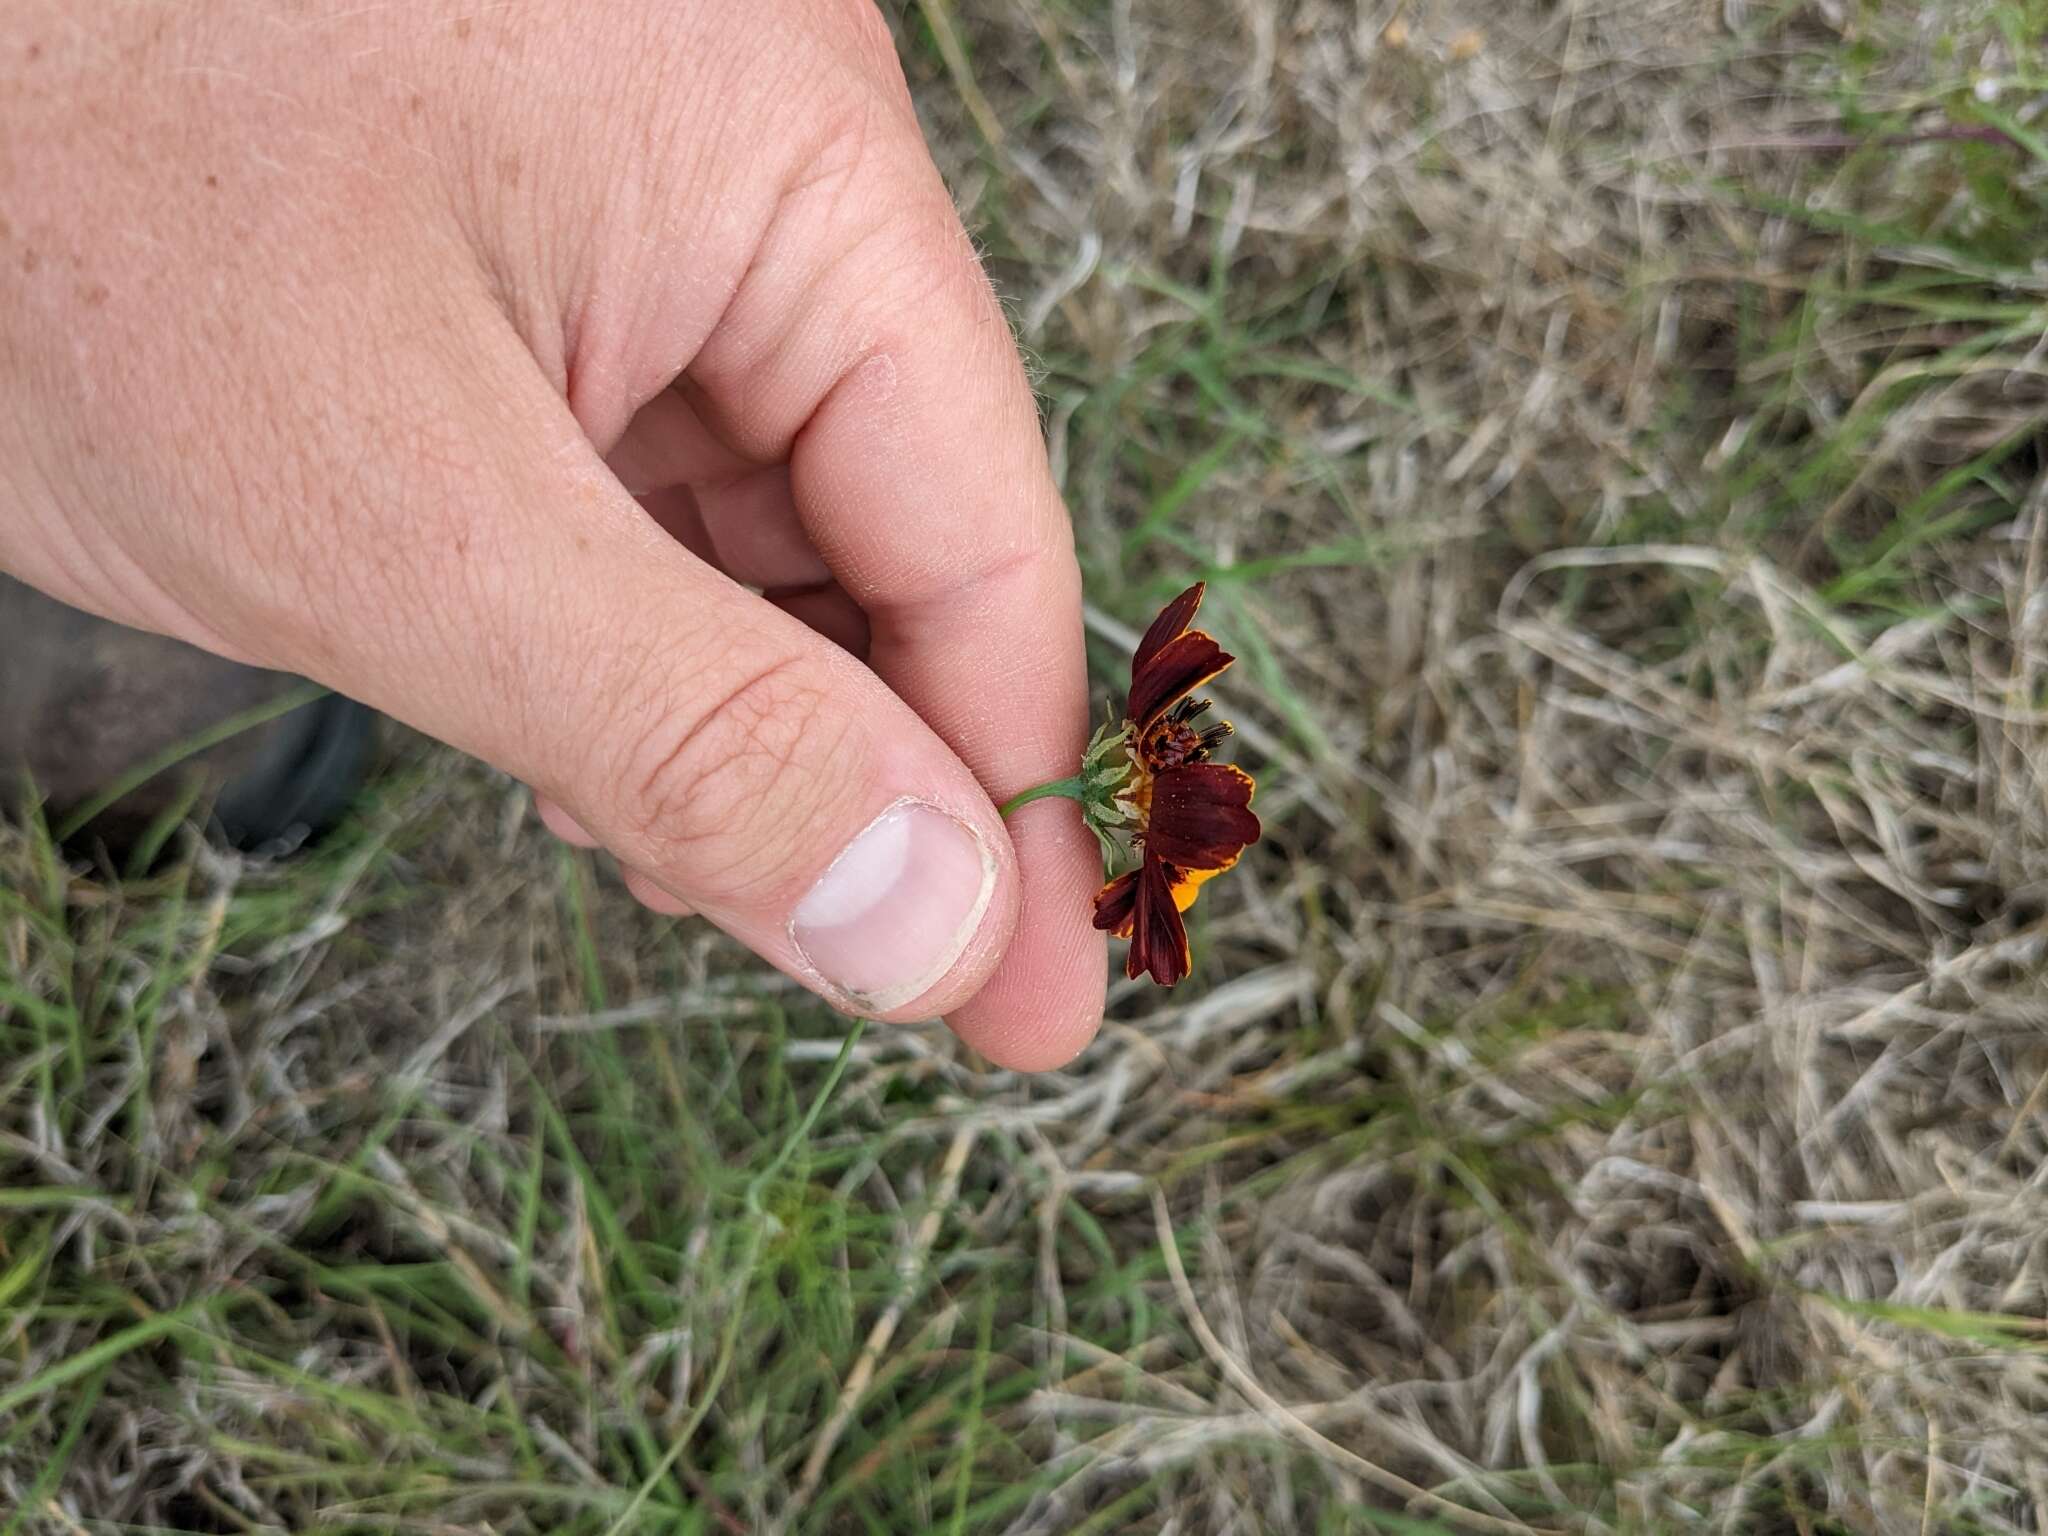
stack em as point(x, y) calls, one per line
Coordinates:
point(1617, 1099)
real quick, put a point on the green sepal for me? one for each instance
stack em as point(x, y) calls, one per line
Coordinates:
point(1098, 788)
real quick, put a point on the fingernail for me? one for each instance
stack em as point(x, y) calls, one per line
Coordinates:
point(893, 912)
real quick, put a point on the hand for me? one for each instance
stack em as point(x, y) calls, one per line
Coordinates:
point(478, 360)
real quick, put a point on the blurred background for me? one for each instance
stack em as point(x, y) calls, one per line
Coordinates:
point(1613, 1097)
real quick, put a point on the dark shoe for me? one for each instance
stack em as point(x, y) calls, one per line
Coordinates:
point(84, 701)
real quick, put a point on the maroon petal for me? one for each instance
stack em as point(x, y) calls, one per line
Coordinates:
point(1183, 663)
point(1201, 816)
point(1173, 618)
point(1159, 939)
point(1115, 903)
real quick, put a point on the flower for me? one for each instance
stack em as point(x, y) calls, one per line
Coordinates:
point(1188, 817)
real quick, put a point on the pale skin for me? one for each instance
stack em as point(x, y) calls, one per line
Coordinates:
point(479, 360)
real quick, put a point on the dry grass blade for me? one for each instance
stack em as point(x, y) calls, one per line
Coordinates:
point(1292, 1424)
point(1616, 440)
point(884, 1329)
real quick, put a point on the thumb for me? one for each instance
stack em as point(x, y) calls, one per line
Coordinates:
point(757, 772)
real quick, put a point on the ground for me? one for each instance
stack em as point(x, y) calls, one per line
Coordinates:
point(1614, 1096)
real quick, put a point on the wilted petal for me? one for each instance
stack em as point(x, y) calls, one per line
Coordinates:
point(1173, 618)
point(1159, 940)
point(1115, 903)
point(1185, 662)
point(1201, 816)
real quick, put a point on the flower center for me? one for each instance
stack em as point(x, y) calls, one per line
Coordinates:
point(1172, 741)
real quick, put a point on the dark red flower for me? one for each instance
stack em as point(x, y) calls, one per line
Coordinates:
point(1191, 818)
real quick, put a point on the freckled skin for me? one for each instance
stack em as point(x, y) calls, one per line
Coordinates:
point(323, 326)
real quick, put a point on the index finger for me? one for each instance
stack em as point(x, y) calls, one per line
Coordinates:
point(974, 604)
point(867, 331)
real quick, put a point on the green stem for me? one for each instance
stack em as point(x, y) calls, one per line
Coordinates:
point(1064, 789)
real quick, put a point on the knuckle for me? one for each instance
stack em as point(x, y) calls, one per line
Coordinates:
point(732, 791)
point(866, 32)
point(847, 146)
point(906, 273)
point(856, 36)
point(937, 265)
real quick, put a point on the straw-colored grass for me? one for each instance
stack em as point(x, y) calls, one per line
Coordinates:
point(1614, 1097)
